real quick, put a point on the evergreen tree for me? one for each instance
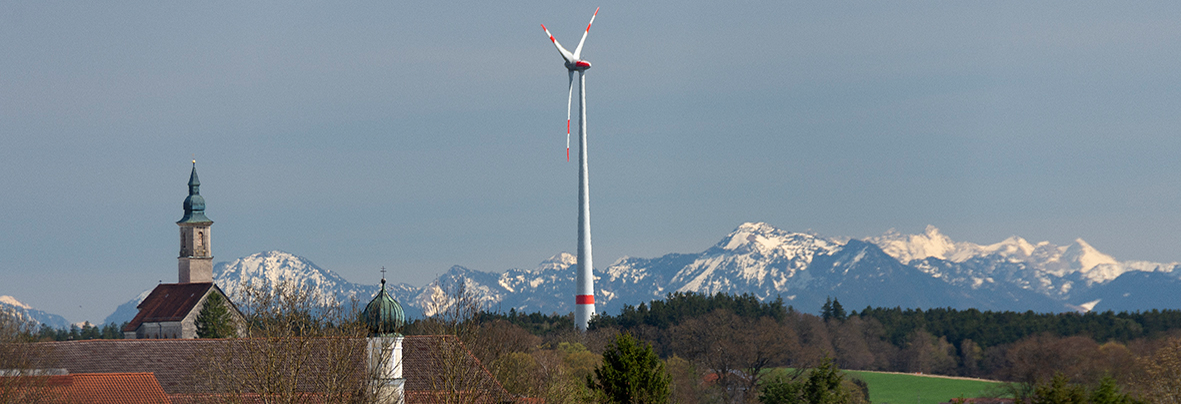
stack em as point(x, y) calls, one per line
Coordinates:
point(631, 373)
point(215, 320)
point(1059, 391)
point(838, 312)
point(1108, 393)
point(826, 310)
point(823, 386)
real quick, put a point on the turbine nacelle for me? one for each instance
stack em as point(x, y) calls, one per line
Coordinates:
point(578, 65)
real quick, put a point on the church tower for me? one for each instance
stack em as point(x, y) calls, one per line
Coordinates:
point(196, 255)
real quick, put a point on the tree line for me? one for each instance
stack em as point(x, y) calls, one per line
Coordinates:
point(74, 332)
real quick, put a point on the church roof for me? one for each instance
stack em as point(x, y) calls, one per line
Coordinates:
point(169, 302)
point(194, 203)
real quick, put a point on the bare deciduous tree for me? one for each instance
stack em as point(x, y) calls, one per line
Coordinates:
point(299, 347)
point(24, 373)
point(457, 375)
point(736, 350)
point(1158, 381)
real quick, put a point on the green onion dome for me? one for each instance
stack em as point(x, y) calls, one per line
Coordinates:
point(383, 315)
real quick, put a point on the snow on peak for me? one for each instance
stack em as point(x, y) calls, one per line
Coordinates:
point(1080, 255)
point(1012, 246)
point(909, 247)
point(1049, 262)
point(272, 268)
point(11, 301)
point(762, 238)
point(559, 261)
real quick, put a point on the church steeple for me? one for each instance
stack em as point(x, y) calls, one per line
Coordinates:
point(195, 263)
point(195, 203)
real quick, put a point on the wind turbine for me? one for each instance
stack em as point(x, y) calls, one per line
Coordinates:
point(584, 293)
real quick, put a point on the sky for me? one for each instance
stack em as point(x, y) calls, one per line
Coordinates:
point(415, 137)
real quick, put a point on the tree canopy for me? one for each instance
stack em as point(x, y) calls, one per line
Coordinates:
point(215, 320)
point(631, 373)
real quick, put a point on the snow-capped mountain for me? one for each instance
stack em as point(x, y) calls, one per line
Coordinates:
point(913, 271)
point(804, 270)
point(26, 312)
point(127, 311)
point(272, 268)
point(1059, 272)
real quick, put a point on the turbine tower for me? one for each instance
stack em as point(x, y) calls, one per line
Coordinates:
point(584, 293)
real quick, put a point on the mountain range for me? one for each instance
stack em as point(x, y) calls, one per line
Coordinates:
point(27, 313)
point(906, 270)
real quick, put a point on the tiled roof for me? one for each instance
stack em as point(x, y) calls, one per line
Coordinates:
point(168, 302)
point(175, 362)
point(170, 360)
point(431, 363)
point(122, 388)
point(93, 388)
point(438, 368)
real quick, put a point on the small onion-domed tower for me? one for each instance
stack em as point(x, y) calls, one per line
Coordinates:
point(384, 315)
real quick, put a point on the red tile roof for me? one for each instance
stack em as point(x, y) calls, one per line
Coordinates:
point(122, 388)
point(94, 388)
point(168, 302)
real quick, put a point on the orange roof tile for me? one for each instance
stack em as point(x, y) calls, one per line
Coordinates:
point(89, 388)
point(121, 388)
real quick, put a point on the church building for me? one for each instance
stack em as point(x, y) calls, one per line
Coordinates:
point(171, 310)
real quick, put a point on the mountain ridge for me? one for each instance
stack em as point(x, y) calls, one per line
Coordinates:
point(907, 270)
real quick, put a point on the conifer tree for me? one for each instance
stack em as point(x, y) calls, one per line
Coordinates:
point(838, 311)
point(826, 310)
point(631, 373)
point(823, 386)
point(215, 320)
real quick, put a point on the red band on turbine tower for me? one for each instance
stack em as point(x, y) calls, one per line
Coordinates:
point(584, 299)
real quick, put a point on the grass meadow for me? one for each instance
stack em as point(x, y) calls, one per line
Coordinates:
point(902, 388)
point(896, 388)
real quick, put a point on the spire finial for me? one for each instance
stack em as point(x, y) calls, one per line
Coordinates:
point(383, 277)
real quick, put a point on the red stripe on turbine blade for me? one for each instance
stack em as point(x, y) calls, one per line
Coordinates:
point(567, 126)
point(584, 299)
point(567, 154)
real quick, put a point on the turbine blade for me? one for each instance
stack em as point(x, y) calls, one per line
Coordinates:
point(565, 53)
point(569, 98)
point(578, 50)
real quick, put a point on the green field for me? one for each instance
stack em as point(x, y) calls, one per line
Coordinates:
point(906, 389)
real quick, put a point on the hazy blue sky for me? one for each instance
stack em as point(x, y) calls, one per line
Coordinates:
point(416, 137)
